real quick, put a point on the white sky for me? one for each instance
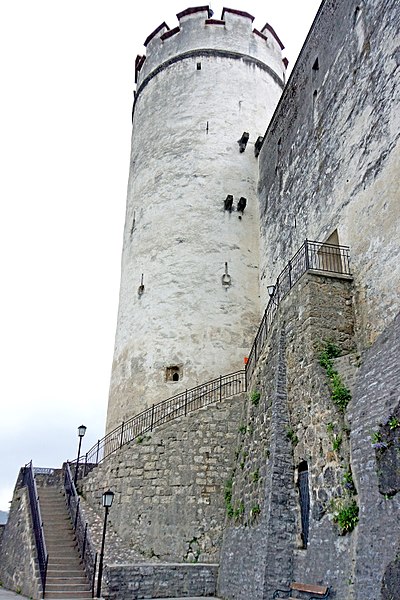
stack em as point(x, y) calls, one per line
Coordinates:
point(67, 77)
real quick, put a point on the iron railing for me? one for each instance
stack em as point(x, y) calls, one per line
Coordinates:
point(85, 545)
point(43, 557)
point(167, 410)
point(312, 256)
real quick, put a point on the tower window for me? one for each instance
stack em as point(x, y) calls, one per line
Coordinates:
point(198, 66)
point(173, 373)
point(315, 66)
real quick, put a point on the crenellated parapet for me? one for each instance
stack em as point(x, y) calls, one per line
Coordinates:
point(199, 34)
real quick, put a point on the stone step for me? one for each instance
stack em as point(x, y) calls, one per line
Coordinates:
point(65, 595)
point(67, 587)
point(64, 573)
point(78, 580)
point(57, 543)
point(66, 577)
point(66, 561)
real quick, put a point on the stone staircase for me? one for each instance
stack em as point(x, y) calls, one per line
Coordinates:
point(66, 578)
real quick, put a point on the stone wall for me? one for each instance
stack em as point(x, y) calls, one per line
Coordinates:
point(291, 420)
point(18, 566)
point(129, 582)
point(330, 159)
point(376, 400)
point(169, 488)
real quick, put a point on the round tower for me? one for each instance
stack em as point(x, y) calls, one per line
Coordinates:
point(189, 296)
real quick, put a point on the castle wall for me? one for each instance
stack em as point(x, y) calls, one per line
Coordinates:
point(185, 160)
point(169, 488)
point(18, 566)
point(377, 549)
point(294, 421)
point(330, 159)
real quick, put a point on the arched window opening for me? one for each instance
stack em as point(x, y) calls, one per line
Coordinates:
point(173, 373)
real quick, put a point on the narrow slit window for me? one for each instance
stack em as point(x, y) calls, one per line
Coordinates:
point(304, 494)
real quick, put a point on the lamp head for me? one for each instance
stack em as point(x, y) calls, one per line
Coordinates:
point(108, 498)
point(81, 430)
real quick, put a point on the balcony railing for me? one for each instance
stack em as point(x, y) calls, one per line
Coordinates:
point(312, 256)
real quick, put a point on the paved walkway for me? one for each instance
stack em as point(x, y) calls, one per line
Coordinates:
point(7, 595)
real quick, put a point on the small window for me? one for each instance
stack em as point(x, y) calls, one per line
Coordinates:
point(173, 373)
point(315, 66)
point(198, 66)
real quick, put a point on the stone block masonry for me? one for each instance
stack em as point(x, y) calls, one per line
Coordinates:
point(377, 569)
point(18, 564)
point(290, 420)
point(131, 582)
point(169, 486)
point(330, 160)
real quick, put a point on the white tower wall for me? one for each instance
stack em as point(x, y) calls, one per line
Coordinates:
point(185, 159)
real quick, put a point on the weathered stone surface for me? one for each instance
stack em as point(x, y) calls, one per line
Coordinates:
point(330, 159)
point(289, 425)
point(169, 489)
point(18, 565)
point(376, 399)
point(185, 160)
point(131, 582)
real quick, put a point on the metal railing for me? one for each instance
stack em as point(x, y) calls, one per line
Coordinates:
point(167, 410)
point(43, 557)
point(85, 545)
point(312, 256)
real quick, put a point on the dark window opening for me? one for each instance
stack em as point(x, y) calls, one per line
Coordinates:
point(173, 373)
point(304, 494)
point(198, 66)
point(315, 66)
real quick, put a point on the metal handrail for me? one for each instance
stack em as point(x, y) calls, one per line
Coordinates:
point(85, 544)
point(43, 557)
point(177, 406)
point(311, 256)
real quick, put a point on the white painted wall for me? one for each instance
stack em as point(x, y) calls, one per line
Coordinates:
point(179, 178)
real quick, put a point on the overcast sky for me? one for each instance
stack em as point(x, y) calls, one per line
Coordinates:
point(67, 79)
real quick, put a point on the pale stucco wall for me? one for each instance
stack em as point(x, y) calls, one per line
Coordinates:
point(185, 160)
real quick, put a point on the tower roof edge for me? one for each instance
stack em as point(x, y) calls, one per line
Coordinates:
point(240, 13)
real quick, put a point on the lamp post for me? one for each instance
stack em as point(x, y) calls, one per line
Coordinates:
point(107, 500)
point(81, 433)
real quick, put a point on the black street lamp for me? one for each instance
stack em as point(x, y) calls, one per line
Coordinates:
point(107, 499)
point(81, 433)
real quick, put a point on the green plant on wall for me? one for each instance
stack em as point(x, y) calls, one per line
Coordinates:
point(291, 435)
point(255, 476)
point(348, 482)
point(345, 514)
point(337, 442)
point(340, 394)
point(255, 397)
point(239, 511)
point(255, 511)
point(228, 497)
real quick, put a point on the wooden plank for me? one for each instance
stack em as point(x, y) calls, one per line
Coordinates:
point(307, 587)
